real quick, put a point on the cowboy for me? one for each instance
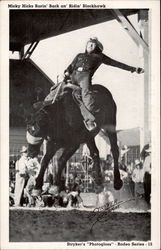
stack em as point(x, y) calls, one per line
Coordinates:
point(147, 173)
point(83, 68)
point(33, 168)
point(21, 176)
point(138, 178)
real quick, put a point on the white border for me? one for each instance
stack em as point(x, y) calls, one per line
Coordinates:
point(4, 108)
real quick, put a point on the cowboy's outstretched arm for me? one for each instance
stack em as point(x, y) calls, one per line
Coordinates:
point(109, 61)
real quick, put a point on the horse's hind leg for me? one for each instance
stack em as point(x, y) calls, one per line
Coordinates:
point(115, 152)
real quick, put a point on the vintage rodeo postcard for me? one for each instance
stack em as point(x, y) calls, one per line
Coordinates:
point(80, 148)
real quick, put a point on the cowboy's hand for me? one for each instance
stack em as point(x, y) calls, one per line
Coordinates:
point(67, 77)
point(139, 70)
point(60, 78)
point(66, 73)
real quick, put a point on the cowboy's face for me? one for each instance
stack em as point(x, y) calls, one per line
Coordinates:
point(90, 46)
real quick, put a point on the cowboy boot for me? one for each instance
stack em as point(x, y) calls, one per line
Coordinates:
point(89, 119)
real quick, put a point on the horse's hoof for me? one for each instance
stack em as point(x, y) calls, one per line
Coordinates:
point(69, 207)
point(118, 184)
point(54, 190)
point(39, 202)
point(81, 206)
point(36, 192)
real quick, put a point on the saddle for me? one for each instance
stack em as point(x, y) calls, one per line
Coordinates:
point(59, 90)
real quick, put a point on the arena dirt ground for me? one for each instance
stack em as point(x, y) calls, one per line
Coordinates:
point(41, 225)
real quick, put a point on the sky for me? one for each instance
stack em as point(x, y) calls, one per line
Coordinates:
point(53, 55)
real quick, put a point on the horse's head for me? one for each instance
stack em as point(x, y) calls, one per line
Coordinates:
point(38, 123)
point(37, 128)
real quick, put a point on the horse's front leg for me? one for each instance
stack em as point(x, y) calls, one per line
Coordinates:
point(51, 149)
point(94, 153)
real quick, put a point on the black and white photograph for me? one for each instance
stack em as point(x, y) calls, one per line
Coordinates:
point(80, 125)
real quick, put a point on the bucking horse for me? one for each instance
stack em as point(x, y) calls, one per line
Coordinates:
point(61, 125)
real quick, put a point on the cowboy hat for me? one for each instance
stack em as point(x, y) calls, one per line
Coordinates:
point(97, 42)
point(23, 149)
point(137, 162)
point(148, 150)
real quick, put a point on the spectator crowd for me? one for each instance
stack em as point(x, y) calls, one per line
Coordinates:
point(23, 172)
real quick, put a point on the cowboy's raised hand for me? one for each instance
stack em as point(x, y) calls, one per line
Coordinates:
point(60, 78)
point(139, 70)
point(66, 73)
point(67, 77)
